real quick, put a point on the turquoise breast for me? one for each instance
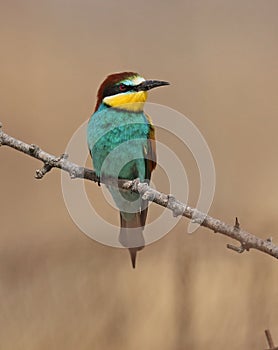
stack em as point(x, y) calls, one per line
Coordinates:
point(117, 141)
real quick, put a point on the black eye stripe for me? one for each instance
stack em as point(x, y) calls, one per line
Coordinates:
point(117, 89)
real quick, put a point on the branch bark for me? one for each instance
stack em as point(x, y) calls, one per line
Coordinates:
point(247, 240)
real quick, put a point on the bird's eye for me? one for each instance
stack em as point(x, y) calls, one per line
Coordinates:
point(122, 87)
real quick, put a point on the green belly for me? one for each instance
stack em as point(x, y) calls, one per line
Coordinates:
point(117, 141)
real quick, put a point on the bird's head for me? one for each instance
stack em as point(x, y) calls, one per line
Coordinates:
point(126, 91)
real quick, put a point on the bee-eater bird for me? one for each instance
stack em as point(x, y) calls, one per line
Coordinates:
point(121, 140)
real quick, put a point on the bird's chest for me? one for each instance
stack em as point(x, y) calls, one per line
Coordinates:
point(117, 138)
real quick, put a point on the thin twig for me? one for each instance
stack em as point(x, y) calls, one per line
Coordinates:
point(247, 240)
point(270, 340)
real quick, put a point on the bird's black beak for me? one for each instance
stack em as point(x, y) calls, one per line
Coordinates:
point(150, 84)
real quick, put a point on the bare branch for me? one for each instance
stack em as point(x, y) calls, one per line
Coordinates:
point(247, 240)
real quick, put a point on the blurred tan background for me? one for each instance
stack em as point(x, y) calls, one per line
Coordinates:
point(62, 290)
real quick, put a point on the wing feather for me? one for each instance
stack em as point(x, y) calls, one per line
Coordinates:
point(150, 164)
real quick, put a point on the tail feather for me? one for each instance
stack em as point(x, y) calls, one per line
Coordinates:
point(133, 254)
point(131, 235)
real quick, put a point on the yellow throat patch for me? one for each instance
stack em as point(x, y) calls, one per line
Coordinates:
point(132, 101)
